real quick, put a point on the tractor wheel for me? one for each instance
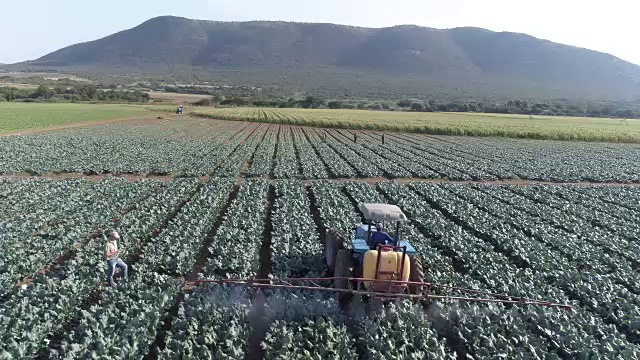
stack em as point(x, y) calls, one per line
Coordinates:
point(344, 264)
point(333, 243)
point(416, 275)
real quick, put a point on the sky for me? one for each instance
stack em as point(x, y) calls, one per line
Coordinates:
point(31, 29)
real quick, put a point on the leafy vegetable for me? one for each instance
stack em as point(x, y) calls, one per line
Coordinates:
point(213, 322)
point(295, 244)
point(236, 247)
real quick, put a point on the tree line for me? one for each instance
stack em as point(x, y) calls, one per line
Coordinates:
point(525, 107)
point(72, 94)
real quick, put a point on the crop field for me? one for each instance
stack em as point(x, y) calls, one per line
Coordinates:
point(19, 85)
point(473, 124)
point(201, 147)
point(176, 98)
point(199, 198)
point(22, 116)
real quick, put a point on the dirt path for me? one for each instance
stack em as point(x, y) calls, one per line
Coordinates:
point(98, 177)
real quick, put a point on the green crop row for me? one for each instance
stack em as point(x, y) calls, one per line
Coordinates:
point(235, 251)
point(569, 245)
point(16, 116)
point(41, 309)
point(467, 124)
point(296, 250)
point(194, 147)
point(549, 267)
point(139, 307)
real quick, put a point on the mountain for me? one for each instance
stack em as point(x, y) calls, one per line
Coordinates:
point(337, 59)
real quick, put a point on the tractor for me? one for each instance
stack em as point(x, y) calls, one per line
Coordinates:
point(378, 265)
point(379, 271)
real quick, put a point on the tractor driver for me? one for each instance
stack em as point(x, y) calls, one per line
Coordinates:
point(380, 237)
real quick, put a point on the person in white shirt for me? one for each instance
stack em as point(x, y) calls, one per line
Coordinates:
point(111, 254)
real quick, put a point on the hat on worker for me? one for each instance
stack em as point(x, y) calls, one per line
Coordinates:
point(112, 234)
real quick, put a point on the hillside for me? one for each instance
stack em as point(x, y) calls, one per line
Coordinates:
point(396, 61)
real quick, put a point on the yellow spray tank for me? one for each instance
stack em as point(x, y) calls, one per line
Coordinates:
point(390, 265)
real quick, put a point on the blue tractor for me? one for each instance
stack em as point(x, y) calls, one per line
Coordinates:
point(379, 267)
point(379, 264)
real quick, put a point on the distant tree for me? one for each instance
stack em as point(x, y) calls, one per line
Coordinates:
point(335, 105)
point(43, 92)
point(404, 103)
point(538, 108)
point(311, 102)
point(472, 107)
point(607, 110)
point(12, 94)
point(417, 107)
point(87, 92)
point(261, 102)
point(362, 106)
point(624, 113)
point(385, 106)
point(575, 109)
point(238, 101)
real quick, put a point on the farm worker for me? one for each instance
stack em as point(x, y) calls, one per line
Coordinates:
point(111, 254)
point(380, 237)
